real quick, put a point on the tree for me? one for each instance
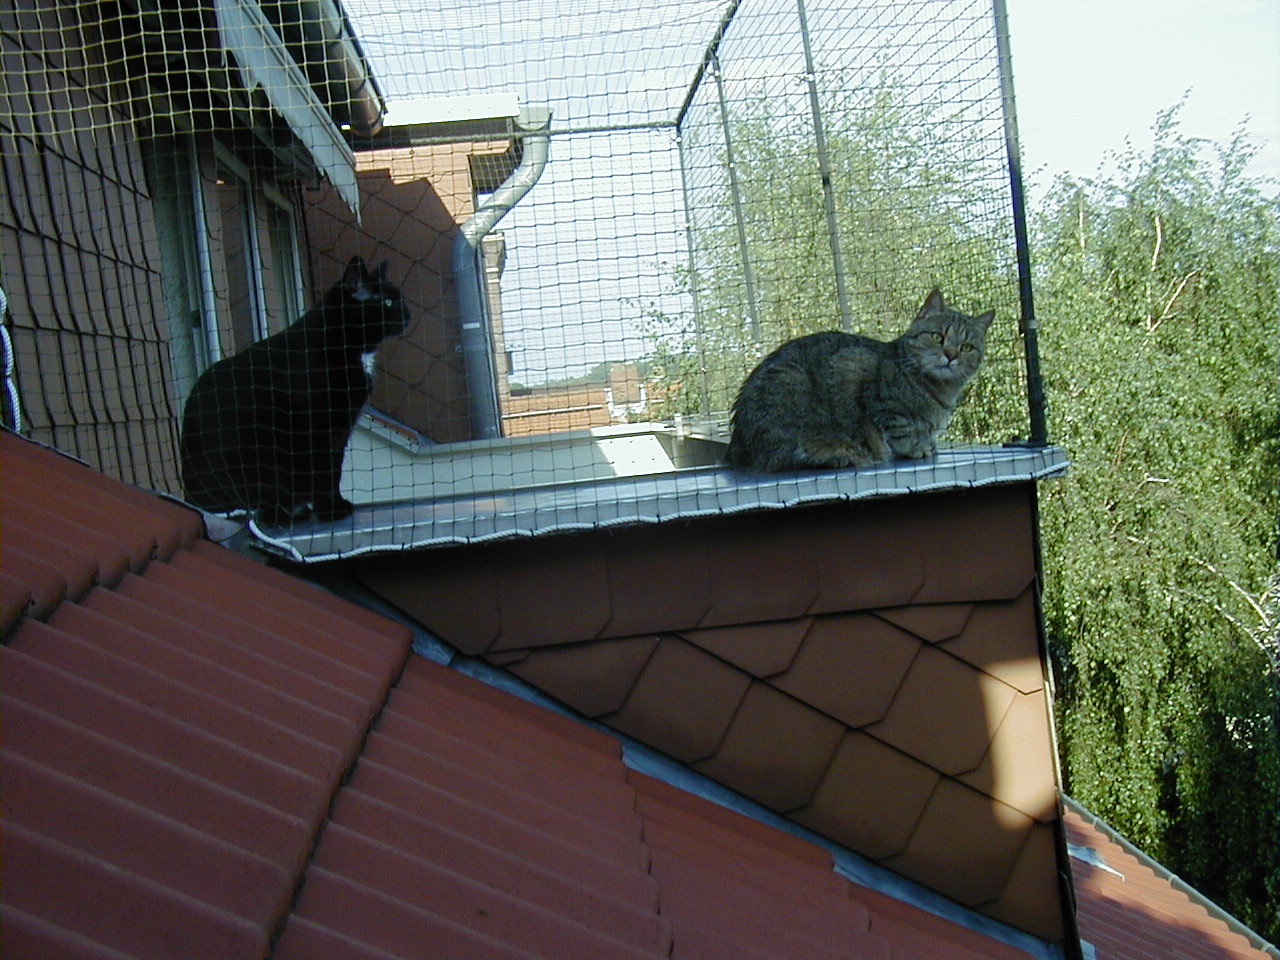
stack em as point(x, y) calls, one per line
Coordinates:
point(1156, 288)
point(1156, 292)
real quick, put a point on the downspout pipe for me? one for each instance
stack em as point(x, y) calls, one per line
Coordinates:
point(468, 273)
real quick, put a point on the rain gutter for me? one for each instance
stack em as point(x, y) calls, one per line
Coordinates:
point(533, 127)
point(353, 93)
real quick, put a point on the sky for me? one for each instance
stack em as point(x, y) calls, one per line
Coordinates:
point(1089, 73)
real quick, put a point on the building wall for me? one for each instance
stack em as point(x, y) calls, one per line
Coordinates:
point(81, 261)
point(412, 202)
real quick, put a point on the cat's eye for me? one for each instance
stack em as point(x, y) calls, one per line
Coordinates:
point(966, 348)
point(388, 303)
point(936, 336)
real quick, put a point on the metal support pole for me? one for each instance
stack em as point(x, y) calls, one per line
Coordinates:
point(694, 281)
point(824, 170)
point(1030, 341)
point(735, 194)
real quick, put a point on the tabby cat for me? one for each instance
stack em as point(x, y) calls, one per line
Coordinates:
point(265, 430)
point(842, 400)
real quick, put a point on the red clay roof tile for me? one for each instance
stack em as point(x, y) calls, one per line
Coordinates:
point(193, 795)
point(40, 586)
point(178, 765)
point(1130, 908)
point(935, 682)
point(117, 909)
point(39, 478)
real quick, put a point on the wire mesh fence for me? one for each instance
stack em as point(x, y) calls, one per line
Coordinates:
point(594, 222)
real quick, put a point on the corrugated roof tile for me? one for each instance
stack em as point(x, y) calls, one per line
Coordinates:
point(1130, 908)
point(121, 911)
point(193, 795)
point(807, 629)
point(139, 841)
point(40, 587)
point(178, 601)
point(189, 748)
point(44, 480)
point(261, 734)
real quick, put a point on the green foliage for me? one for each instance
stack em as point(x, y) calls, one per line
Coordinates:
point(1156, 289)
point(914, 209)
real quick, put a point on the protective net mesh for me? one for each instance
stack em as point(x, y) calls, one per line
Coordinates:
point(594, 219)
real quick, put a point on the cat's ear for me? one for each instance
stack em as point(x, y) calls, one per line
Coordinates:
point(381, 272)
point(983, 321)
point(933, 303)
point(355, 275)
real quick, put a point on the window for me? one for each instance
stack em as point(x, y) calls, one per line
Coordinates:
point(232, 199)
point(282, 279)
point(232, 267)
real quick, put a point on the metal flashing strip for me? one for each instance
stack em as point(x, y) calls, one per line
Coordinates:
point(660, 498)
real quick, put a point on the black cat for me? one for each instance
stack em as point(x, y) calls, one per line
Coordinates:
point(265, 430)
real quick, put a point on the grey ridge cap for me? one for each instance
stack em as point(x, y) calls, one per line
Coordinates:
point(657, 498)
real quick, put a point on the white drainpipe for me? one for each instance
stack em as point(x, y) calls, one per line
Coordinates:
point(468, 274)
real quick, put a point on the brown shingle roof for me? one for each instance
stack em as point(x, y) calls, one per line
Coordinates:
point(191, 769)
point(870, 670)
